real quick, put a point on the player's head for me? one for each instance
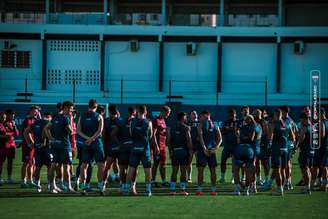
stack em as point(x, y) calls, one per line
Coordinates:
point(113, 111)
point(249, 119)
point(142, 110)
point(244, 110)
point(10, 115)
point(182, 117)
point(257, 113)
point(100, 110)
point(2, 117)
point(59, 107)
point(92, 105)
point(323, 113)
point(34, 111)
point(132, 111)
point(285, 110)
point(165, 111)
point(68, 107)
point(307, 110)
point(193, 115)
point(277, 114)
point(232, 113)
point(205, 115)
point(47, 116)
point(304, 118)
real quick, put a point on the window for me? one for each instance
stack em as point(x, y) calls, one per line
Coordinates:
point(15, 59)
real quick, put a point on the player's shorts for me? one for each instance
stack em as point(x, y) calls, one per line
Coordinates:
point(161, 157)
point(305, 159)
point(93, 152)
point(325, 160)
point(319, 157)
point(179, 157)
point(62, 155)
point(279, 158)
point(195, 146)
point(202, 160)
point(125, 152)
point(227, 152)
point(112, 151)
point(27, 154)
point(43, 156)
point(290, 154)
point(244, 154)
point(257, 149)
point(140, 156)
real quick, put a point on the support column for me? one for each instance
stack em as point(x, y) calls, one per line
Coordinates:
point(281, 14)
point(161, 66)
point(102, 65)
point(44, 65)
point(163, 20)
point(47, 9)
point(278, 64)
point(219, 68)
point(105, 11)
point(221, 13)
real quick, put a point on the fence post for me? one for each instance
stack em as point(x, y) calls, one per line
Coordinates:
point(122, 87)
point(25, 88)
point(266, 92)
point(74, 90)
point(170, 90)
point(217, 98)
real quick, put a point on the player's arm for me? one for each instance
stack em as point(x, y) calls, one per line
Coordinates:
point(218, 140)
point(150, 129)
point(189, 144)
point(322, 130)
point(168, 139)
point(28, 135)
point(68, 126)
point(47, 131)
point(252, 135)
point(99, 130)
point(301, 136)
point(79, 130)
point(200, 137)
point(154, 139)
point(291, 134)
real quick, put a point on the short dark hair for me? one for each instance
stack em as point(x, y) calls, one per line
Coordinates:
point(166, 108)
point(113, 109)
point(244, 107)
point(68, 104)
point(100, 109)
point(285, 108)
point(303, 116)
point(232, 111)
point(131, 110)
point(142, 109)
point(205, 112)
point(59, 106)
point(92, 103)
point(47, 114)
point(9, 112)
point(180, 115)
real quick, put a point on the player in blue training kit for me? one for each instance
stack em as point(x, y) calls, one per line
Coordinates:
point(263, 156)
point(229, 141)
point(291, 146)
point(35, 136)
point(121, 136)
point(279, 135)
point(244, 154)
point(180, 145)
point(322, 157)
point(210, 140)
point(306, 154)
point(141, 132)
point(112, 148)
point(89, 128)
point(58, 132)
point(193, 123)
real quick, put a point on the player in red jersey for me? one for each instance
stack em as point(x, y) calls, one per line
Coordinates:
point(27, 151)
point(159, 145)
point(12, 131)
point(4, 138)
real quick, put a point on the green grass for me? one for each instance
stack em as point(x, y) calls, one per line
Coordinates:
point(26, 203)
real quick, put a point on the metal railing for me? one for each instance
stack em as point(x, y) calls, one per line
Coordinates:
point(139, 90)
